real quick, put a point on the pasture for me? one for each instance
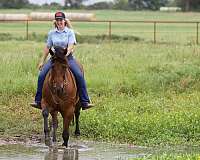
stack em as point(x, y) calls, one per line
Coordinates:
point(145, 94)
point(184, 33)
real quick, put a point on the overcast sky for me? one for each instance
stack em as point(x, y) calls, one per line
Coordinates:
point(46, 1)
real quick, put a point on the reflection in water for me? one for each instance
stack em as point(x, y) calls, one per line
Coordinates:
point(90, 151)
point(51, 155)
point(68, 154)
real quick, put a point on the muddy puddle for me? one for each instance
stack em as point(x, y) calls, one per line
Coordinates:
point(79, 150)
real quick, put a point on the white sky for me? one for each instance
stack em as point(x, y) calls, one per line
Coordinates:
point(46, 1)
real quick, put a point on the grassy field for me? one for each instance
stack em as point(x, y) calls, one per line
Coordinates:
point(171, 156)
point(179, 33)
point(145, 93)
point(123, 15)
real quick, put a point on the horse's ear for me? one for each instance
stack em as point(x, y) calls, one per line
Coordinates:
point(65, 51)
point(52, 51)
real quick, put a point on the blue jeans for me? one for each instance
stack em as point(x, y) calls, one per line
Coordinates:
point(80, 81)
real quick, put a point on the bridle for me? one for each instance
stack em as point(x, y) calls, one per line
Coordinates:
point(61, 58)
point(58, 55)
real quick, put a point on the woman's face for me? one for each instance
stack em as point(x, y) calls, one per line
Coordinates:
point(60, 24)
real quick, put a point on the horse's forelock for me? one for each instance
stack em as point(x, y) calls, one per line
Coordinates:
point(59, 50)
point(59, 54)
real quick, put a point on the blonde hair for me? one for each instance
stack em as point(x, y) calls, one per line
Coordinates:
point(67, 23)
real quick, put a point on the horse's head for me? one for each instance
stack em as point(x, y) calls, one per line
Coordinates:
point(58, 78)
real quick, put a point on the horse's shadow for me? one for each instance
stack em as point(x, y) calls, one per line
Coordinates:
point(67, 154)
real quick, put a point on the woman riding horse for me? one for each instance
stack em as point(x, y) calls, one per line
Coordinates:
point(62, 36)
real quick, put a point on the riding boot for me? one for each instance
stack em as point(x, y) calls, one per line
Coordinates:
point(36, 105)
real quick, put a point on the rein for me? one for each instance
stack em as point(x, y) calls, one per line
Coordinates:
point(57, 99)
point(62, 59)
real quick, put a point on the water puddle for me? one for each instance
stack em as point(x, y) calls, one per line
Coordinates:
point(78, 150)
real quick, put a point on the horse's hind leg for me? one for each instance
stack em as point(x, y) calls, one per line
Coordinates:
point(77, 114)
point(45, 114)
point(55, 124)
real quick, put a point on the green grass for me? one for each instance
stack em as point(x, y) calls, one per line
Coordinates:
point(170, 33)
point(171, 156)
point(122, 15)
point(144, 94)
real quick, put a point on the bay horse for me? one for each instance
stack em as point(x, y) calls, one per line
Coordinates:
point(59, 94)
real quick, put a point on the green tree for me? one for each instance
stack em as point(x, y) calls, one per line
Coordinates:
point(121, 4)
point(13, 3)
point(147, 4)
point(73, 3)
point(188, 5)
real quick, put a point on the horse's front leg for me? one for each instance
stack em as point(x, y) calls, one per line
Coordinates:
point(45, 114)
point(67, 118)
point(55, 124)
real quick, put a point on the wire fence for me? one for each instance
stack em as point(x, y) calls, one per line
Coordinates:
point(155, 31)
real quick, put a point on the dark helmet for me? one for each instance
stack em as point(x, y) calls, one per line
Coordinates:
point(59, 15)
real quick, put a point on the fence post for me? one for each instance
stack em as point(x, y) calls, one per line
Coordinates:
point(27, 30)
point(154, 32)
point(109, 30)
point(197, 41)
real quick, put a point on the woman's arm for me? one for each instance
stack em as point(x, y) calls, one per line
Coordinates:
point(71, 42)
point(44, 57)
point(70, 49)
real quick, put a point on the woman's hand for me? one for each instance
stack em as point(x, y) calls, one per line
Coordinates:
point(70, 49)
point(40, 66)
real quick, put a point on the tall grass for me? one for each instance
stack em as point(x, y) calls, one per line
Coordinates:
point(144, 93)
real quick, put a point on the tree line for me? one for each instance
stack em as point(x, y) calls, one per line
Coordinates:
point(186, 5)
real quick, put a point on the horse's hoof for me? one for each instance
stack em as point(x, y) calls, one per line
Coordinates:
point(77, 133)
point(48, 142)
point(65, 145)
